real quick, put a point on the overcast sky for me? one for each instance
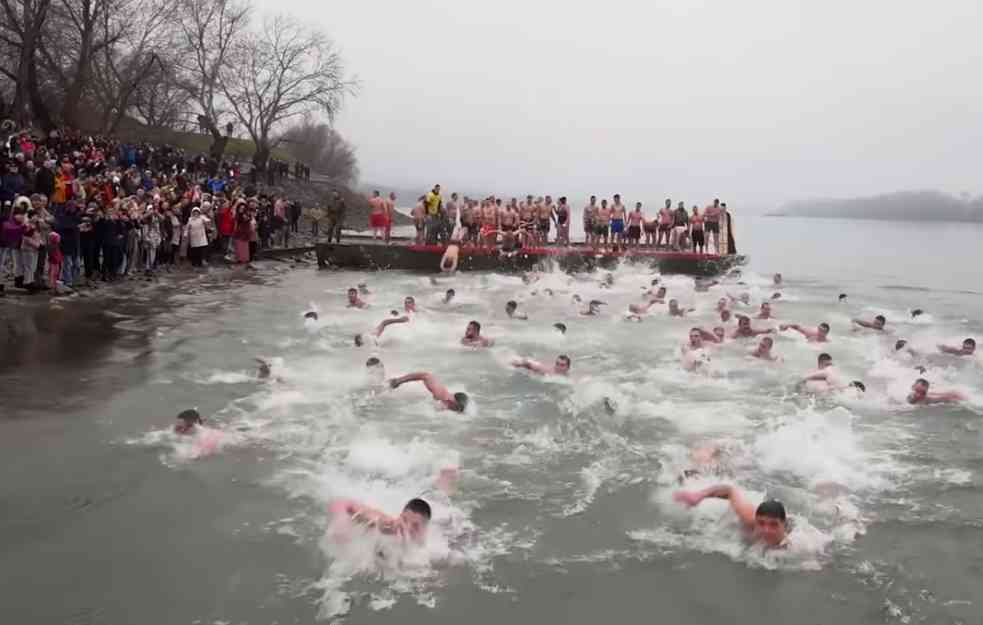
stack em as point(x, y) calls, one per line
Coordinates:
point(757, 102)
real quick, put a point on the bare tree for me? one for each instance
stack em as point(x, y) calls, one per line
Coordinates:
point(209, 31)
point(20, 35)
point(282, 71)
point(324, 150)
point(161, 101)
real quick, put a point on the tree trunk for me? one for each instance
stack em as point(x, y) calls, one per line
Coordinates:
point(261, 157)
point(42, 116)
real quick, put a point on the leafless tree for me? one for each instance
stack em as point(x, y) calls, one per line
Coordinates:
point(20, 35)
point(281, 71)
point(324, 150)
point(209, 30)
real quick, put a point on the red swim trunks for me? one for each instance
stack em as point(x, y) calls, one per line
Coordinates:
point(378, 220)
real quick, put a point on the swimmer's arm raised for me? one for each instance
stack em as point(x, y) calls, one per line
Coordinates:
point(947, 349)
point(531, 365)
point(388, 322)
point(944, 397)
point(438, 390)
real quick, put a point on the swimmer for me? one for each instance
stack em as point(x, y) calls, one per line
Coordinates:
point(510, 308)
point(657, 297)
point(641, 309)
point(716, 336)
point(676, 311)
point(411, 524)
point(593, 308)
point(819, 335)
point(472, 336)
point(702, 285)
point(560, 327)
point(448, 263)
point(379, 329)
point(745, 331)
point(920, 395)
point(901, 345)
point(725, 316)
point(187, 420)
point(409, 305)
point(363, 288)
point(264, 369)
point(456, 401)
point(766, 524)
point(449, 295)
point(876, 324)
point(743, 298)
point(823, 379)
point(711, 459)
point(776, 295)
point(354, 301)
point(310, 315)
point(860, 386)
point(918, 312)
point(765, 312)
point(560, 367)
point(763, 350)
point(694, 353)
point(968, 348)
point(777, 280)
point(375, 370)
point(842, 298)
point(721, 304)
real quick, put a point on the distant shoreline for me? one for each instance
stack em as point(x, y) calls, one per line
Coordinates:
point(877, 218)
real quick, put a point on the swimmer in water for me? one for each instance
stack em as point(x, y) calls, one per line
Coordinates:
point(560, 327)
point(968, 348)
point(766, 524)
point(711, 459)
point(379, 329)
point(721, 304)
point(560, 367)
point(187, 422)
point(409, 305)
point(777, 280)
point(920, 395)
point(842, 298)
point(593, 308)
point(310, 315)
point(716, 336)
point(763, 350)
point(510, 308)
point(472, 336)
point(745, 331)
point(765, 312)
point(743, 298)
point(354, 301)
point(725, 316)
point(641, 309)
point(449, 295)
point(450, 401)
point(819, 335)
point(877, 324)
point(918, 312)
point(776, 295)
point(901, 345)
point(376, 371)
point(702, 285)
point(676, 311)
point(824, 378)
point(694, 354)
point(410, 525)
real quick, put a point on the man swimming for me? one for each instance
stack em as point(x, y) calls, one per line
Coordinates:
point(510, 309)
point(657, 298)
point(920, 395)
point(354, 301)
point(876, 324)
point(745, 331)
point(561, 366)
point(310, 315)
point(472, 336)
point(187, 422)
point(448, 296)
point(968, 348)
point(456, 401)
point(725, 315)
point(824, 378)
point(593, 308)
point(379, 329)
point(409, 305)
point(763, 350)
point(694, 354)
point(819, 335)
point(765, 311)
point(411, 524)
point(560, 327)
point(767, 523)
point(676, 311)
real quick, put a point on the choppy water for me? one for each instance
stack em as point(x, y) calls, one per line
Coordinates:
point(562, 512)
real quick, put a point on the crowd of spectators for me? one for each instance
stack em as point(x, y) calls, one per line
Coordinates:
point(75, 209)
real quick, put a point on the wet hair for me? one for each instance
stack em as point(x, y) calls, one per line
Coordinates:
point(310, 315)
point(917, 312)
point(394, 312)
point(450, 292)
point(922, 382)
point(420, 507)
point(596, 302)
point(189, 416)
point(352, 290)
point(772, 509)
point(565, 359)
point(477, 326)
point(899, 344)
point(654, 281)
point(880, 318)
point(562, 327)
point(358, 340)
point(373, 362)
point(824, 326)
point(969, 342)
point(511, 304)
point(610, 406)
point(460, 402)
point(768, 339)
point(842, 296)
point(776, 295)
point(859, 385)
point(825, 357)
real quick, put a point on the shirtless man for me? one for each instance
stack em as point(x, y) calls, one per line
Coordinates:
point(711, 220)
point(410, 525)
point(449, 295)
point(472, 336)
point(468, 220)
point(409, 305)
point(377, 215)
point(562, 222)
point(819, 335)
point(641, 309)
point(489, 223)
point(694, 353)
point(635, 221)
point(717, 336)
point(419, 219)
point(379, 329)
point(665, 224)
point(602, 219)
point(188, 421)
point(765, 312)
point(593, 308)
point(766, 524)
point(968, 348)
point(544, 215)
point(354, 301)
point(680, 226)
point(527, 221)
point(447, 400)
point(763, 350)
point(676, 311)
point(745, 331)
point(453, 210)
point(696, 231)
point(510, 310)
point(617, 222)
point(651, 228)
point(590, 212)
point(725, 315)
point(876, 324)
point(920, 395)
point(824, 378)
point(389, 210)
point(561, 366)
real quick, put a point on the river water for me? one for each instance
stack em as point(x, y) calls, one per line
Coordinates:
point(562, 513)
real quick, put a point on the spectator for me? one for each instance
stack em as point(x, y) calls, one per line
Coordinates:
point(196, 229)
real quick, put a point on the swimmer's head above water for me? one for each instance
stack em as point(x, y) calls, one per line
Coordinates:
point(409, 304)
point(449, 295)
point(560, 327)
point(310, 315)
point(824, 360)
point(860, 386)
point(187, 420)
point(899, 344)
point(562, 364)
point(771, 522)
point(842, 297)
point(415, 518)
point(917, 313)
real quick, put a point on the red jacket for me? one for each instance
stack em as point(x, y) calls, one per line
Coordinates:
point(226, 222)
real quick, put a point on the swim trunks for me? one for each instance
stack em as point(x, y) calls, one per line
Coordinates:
point(617, 226)
point(634, 232)
point(544, 225)
point(698, 238)
point(601, 231)
point(649, 227)
point(665, 227)
point(377, 220)
point(712, 226)
point(419, 226)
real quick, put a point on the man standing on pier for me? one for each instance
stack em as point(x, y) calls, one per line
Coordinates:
point(336, 216)
point(434, 207)
point(711, 220)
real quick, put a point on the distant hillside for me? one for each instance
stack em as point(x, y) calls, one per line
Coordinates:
point(900, 206)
